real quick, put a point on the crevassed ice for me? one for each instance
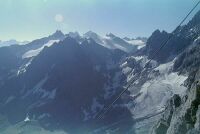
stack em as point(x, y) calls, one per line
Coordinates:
point(156, 92)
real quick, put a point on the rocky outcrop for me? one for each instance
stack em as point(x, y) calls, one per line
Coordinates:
point(184, 36)
point(182, 118)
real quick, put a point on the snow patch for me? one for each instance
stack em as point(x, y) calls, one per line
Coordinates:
point(89, 114)
point(111, 88)
point(33, 53)
point(38, 90)
point(119, 46)
point(165, 68)
point(126, 70)
point(11, 98)
point(139, 43)
point(43, 116)
point(27, 119)
point(138, 58)
point(23, 68)
point(95, 105)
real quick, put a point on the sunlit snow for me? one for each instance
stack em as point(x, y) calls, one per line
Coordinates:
point(33, 53)
point(155, 93)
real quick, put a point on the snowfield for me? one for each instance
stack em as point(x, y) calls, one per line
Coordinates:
point(33, 53)
point(151, 94)
point(139, 43)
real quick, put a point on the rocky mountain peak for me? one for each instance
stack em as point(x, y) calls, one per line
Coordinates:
point(57, 35)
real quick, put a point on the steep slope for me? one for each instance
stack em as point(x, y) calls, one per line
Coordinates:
point(184, 118)
point(65, 86)
point(64, 81)
point(39, 43)
point(184, 36)
point(171, 73)
point(181, 115)
point(14, 59)
point(150, 90)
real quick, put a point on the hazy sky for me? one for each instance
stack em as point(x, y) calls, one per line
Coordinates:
point(31, 19)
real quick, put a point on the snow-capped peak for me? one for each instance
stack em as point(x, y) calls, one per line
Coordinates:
point(110, 41)
point(57, 35)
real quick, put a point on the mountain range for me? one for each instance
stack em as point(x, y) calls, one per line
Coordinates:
point(12, 42)
point(61, 83)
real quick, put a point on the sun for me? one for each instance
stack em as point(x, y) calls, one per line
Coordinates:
point(59, 18)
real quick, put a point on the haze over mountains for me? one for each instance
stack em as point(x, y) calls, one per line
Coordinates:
point(60, 83)
point(12, 42)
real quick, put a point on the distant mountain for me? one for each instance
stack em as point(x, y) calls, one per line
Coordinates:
point(74, 35)
point(144, 39)
point(138, 42)
point(12, 42)
point(113, 42)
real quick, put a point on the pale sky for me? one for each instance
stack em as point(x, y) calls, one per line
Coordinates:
point(32, 19)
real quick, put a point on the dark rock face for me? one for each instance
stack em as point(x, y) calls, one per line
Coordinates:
point(188, 62)
point(8, 61)
point(64, 86)
point(184, 37)
point(182, 116)
point(174, 47)
point(176, 100)
point(181, 119)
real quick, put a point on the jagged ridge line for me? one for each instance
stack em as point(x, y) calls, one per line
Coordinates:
point(102, 112)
